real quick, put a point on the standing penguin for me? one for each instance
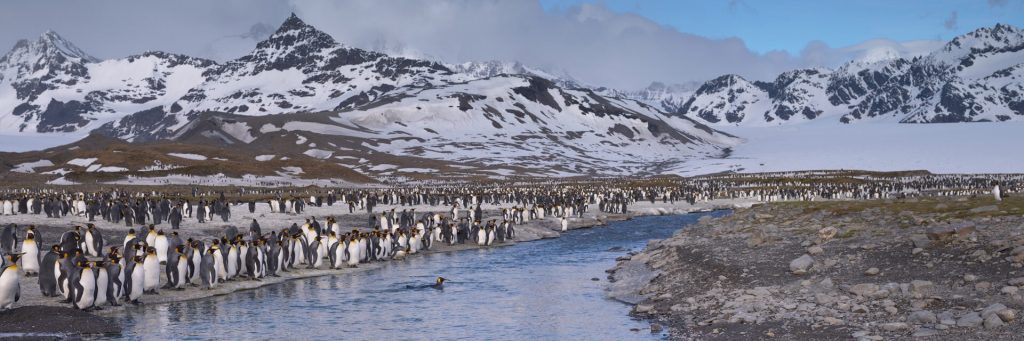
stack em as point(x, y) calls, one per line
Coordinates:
point(93, 241)
point(151, 268)
point(10, 283)
point(565, 224)
point(207, 270)
point(85, 286)
point(162, 246)
point(115, 281)
point(48, 272)
point(30, 261)
point(102, 281)
point(8, 238)
point(134, 279)
point(177, 268)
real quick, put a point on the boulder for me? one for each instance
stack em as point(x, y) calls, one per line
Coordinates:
point(922, 317)
point(800, 265)
point(970, 320)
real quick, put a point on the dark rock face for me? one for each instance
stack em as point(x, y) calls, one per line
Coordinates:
point(63, 117)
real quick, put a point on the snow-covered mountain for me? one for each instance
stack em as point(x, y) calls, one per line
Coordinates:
point(301, 89)
point(973, 78)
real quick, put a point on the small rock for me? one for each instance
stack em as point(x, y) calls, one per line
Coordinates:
point(895, 326)
point(993, 321)
point(655, 328)
point(982, 286)
point(970, 278)
point(1016, 281)
point(892, 310)
point(922, 317)
point(916, 250)
point(970, 320)
point(920, 287)
point(595, 279)
point(863, 289)
point(832, 321)
point(826, 283)
point(644, 308)
point(800, 265)
point(1007, 315)
point(872, 271)
point(861, 309)
point(925, 332)
point(992, 309)
point(815, 250)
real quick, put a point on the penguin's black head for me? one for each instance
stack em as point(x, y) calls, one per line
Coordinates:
point(440, 280)
point(151, 250)
point(14, 257)
point(160, 233)
point(131, 231)
point(138, 259)
point(55, 248)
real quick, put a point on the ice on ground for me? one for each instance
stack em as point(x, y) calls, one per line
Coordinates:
point(82, 162)
point(189, 156)
point(111, 169)
point(29, 167)
point(318, 153)
point(383, 166)
point(158, 166)
point(265, 157)
point(300, 140)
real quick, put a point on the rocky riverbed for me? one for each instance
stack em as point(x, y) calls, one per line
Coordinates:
point(921, 268)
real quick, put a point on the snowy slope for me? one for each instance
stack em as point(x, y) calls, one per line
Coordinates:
point(964, 81)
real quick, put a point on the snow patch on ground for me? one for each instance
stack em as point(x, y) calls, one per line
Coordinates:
point(82, 162)
point(29, 167)
point(291, 170)
point(266, 157)
point(382, 166)
point(318, 153)
point(111, 169)
point(189, 156)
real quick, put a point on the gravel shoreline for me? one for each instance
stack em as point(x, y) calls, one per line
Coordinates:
point(946, 268)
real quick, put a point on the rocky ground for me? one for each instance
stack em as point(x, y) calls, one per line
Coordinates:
point(52, 228)
point(919, 268)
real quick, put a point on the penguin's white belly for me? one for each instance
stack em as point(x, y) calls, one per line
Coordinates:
point(138, 282)
point(88, 283)
point(161, 248)
point(101, 287)
point(151, 267)
point(10, 287)
point(182, 271)
point(30, 260)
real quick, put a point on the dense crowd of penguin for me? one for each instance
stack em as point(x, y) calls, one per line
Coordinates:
point(89, 270)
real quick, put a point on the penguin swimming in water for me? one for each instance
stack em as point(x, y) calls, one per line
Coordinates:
point(438, 285)
point(10, 283)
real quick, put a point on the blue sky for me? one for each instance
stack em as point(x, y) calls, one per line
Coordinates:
point(790, 24)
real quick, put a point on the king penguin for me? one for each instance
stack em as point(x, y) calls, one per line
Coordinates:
point(10, 283)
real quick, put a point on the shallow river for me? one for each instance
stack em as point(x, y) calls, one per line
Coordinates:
point(541, 290)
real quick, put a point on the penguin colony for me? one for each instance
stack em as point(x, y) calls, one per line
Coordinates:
point(84, 269)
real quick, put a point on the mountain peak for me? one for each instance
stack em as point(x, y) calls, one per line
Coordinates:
point(50, 47)
point(293, 31)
